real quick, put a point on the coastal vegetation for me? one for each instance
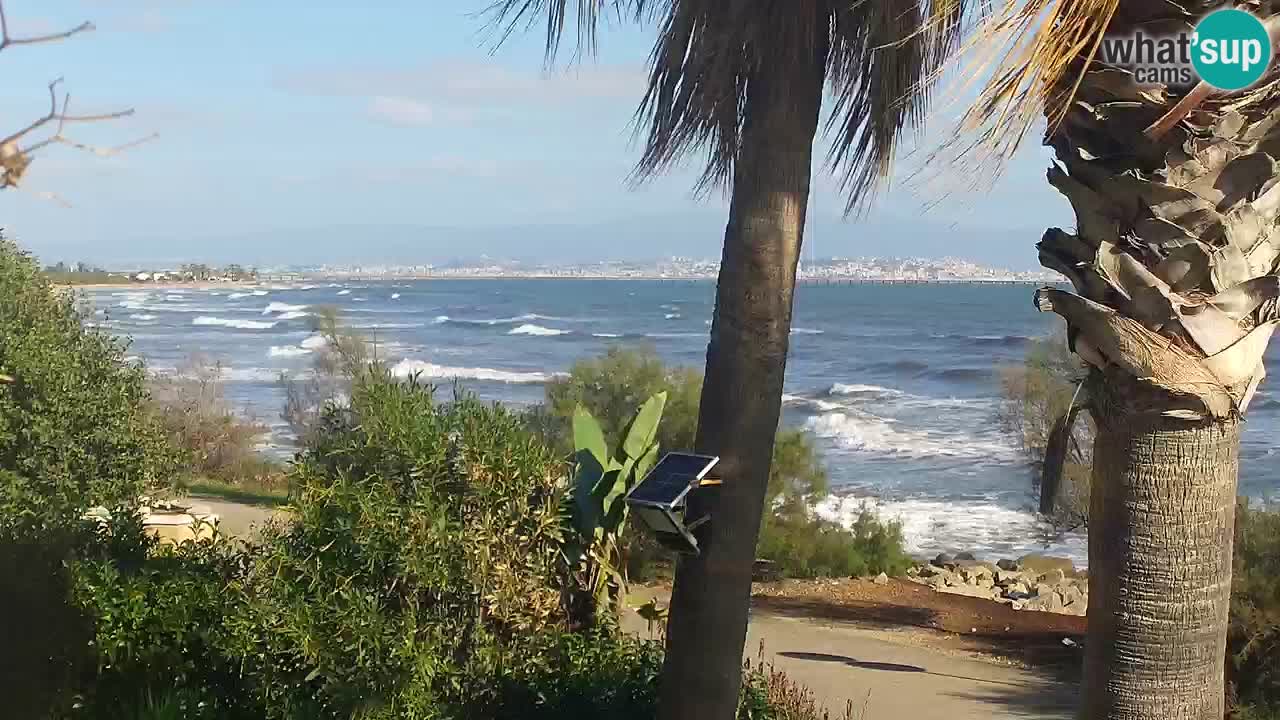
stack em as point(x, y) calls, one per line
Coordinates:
point(423, 571)
point(795, 541)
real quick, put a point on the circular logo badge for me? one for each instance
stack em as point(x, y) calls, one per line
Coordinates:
point(1230, 49)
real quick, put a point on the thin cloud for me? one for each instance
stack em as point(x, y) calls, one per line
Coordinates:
point(401, 111)
point(472, 84)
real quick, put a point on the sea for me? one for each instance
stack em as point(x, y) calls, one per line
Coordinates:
point(898, 384)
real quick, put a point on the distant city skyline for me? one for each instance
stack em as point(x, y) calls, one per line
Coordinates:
point(264, 135)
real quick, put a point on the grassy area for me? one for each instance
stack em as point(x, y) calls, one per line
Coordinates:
point(270, 497)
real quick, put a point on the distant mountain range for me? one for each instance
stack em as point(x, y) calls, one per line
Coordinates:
point(633, 239)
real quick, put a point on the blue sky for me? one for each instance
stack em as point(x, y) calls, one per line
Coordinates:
point(288, 116)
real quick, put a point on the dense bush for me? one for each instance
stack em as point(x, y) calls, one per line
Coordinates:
point(800, 544)
point(423, 551)
point(804, 546)
point(74, 426)
point(75, 432)
point(1253, 642)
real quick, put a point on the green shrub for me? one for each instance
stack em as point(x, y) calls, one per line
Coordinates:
point(75, 432)
point(611, 386)
point(161, 633)
point(1253, 641)
point(803, 546)
point(424, 547)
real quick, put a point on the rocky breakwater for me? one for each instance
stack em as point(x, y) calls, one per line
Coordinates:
point(1033, 582)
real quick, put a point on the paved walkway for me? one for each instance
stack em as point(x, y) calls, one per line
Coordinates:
point(894, 680)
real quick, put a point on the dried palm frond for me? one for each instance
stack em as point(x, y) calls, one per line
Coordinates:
point(880, 60)
point(1037, 52)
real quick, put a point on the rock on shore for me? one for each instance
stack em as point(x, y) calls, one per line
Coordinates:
point(1033, 582)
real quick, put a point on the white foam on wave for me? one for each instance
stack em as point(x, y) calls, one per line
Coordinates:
point(237, 324)
point(359, 299)
point(385, 326)
point(142, 316)
point(989, 530)
point(287, 351)
point(176, 298)
point(279, 307)
point(407, 368)
point(673, 316)
point(806, 331)
point(395, 296)
point(606, 335)
point(860, 389)
point(531, 329)
point(314, 342)
point(526, 318)
point(344, 292)
point(293, 315)
point(258, 293)
point(812, 403)
point(859, 431)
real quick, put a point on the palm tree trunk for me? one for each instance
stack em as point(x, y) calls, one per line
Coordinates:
point(1160, 541)
point(742, 394)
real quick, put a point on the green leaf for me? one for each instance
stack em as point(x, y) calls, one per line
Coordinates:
point(588, 436)
point(587, 506)
point(644, 428)
point(645, 464)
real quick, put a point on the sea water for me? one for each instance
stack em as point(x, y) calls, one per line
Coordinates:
point(898, 385)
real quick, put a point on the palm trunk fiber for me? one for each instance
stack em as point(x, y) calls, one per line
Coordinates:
point(1162, 515)
point(742, 394)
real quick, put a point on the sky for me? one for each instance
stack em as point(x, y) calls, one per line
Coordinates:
point(396, 130)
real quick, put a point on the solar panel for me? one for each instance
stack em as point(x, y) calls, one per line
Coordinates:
point(673, 476)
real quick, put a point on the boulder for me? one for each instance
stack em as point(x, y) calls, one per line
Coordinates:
point(937, 582)
point(965, 556)
point(1072, 594)
point(1080, 609)
point(1008, 577)
point(1052, 577)
point(1017, 591)
point(1051, 602)
point(943, 560)
point(1045, 563)
point(968, 591)
point(928, 571)
point(881, 579)
point(1007, 564)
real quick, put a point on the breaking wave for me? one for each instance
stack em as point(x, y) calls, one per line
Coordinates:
point(806, 331)
point(407, 368)
point(859, 431)
point(142, 316)
point(287, 351)
point(531, 329)
point(314, 342)
point(237, 324)
point(279, 307)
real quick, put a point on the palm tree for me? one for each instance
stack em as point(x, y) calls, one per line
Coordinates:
point(742, 82)
point(1173, 261)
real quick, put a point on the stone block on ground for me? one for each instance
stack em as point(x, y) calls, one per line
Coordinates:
point(967, 591)
point(1052, 577)
point(1007, 564)
point(1044, 563)
point(881, 579)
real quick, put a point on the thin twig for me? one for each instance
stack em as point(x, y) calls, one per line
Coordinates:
point(6, 40)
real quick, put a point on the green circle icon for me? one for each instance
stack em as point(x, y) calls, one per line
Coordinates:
point(1230, 49)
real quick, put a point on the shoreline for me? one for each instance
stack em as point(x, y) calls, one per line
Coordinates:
point(416, 278)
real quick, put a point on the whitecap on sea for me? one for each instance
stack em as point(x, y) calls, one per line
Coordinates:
point(407, 368)
point(314, 342)
point(287, 351)
point(279, 307)
point(531, 329)
point(237, 324)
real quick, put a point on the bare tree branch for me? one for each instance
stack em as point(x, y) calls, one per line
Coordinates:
point(15, 160)
point(6, 40)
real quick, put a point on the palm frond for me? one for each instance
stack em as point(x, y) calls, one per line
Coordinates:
point(1043, 48)
point(879, 59)
point(510, 16)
